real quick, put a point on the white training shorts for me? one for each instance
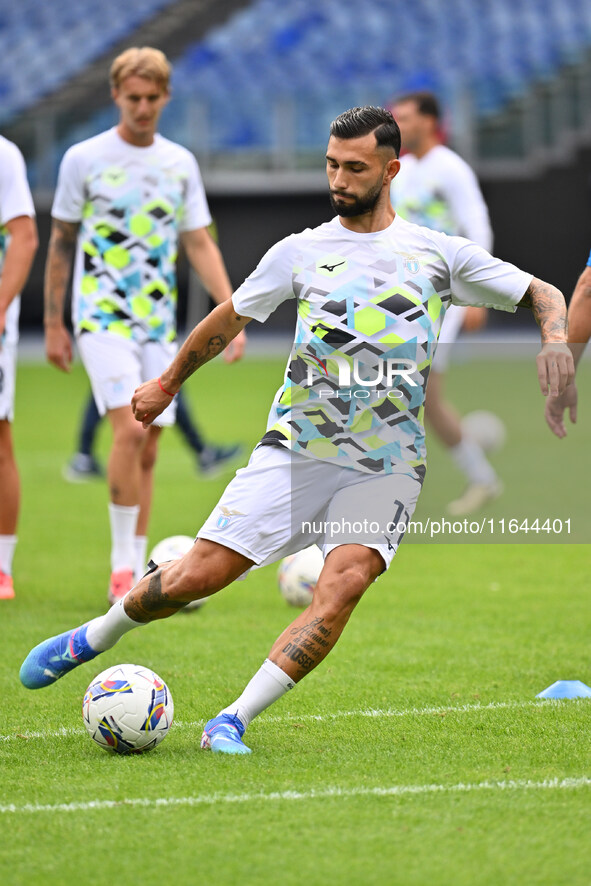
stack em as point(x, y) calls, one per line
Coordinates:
point(450, 329)
point(116, 366)
point(8, 345)
point(282, 502)
point(7, 380)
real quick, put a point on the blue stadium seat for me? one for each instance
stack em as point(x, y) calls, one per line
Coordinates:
point(54, 41)
point(329, 55)
point(320, 56)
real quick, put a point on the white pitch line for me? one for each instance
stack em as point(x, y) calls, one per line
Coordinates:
point(387, 713)
point(67, 731)
point(415, 712)
point(275, 796)
point(63, 732)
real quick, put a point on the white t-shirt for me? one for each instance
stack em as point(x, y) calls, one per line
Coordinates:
point(132, 203)
point(440, 191)
point(15, 200)
point(370, 307)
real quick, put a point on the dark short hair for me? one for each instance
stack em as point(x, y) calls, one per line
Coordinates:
point(357, 122)
point(426, 103)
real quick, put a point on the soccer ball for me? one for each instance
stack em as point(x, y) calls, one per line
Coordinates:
point(298, 574)
point(127, 709)
point(174, 548)
point(486, 428)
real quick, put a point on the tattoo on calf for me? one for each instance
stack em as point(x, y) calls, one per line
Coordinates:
point(153, 600)
point(309, 644)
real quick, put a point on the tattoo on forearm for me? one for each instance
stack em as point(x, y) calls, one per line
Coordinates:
point(152, 601)
point(548, 307)
point(309, 644)
point(194, 359)
point(62, 245)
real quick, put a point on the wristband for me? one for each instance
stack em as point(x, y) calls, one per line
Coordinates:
point(164, 391)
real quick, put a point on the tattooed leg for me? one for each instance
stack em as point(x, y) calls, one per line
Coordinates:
point(206, 569)
point(348, 572)
point(147, 601)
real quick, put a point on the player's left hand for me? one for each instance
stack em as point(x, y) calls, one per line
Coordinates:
point(235, 349)
point(148, 401)
point(554, 410)
point(556, 368)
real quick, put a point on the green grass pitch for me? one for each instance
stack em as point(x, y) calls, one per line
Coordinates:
point(416, 754)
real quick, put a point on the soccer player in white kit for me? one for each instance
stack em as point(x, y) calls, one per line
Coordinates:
point(18, 244)
point(124, 199)
point(333, 467)
point(438, 189)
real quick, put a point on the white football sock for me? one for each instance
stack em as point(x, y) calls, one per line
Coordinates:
point(141, 549)
point(123, 521)
point(472, 462)
point(7, 546)
point(268, 684)
point(104, 631)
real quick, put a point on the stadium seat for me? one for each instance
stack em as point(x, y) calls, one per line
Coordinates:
point(54, 41)
point(305, 58)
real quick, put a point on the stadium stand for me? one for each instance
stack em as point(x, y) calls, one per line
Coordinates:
point(260, 86)
point(321, 56)
point(45, 44)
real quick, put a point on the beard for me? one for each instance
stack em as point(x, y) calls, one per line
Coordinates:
point(358, 206)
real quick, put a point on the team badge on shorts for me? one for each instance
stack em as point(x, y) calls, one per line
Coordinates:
point(226, 515)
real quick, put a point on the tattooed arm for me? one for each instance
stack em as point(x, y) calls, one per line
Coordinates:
point(579, 332)
point(548, 307)
point(207, 340)
point(62, 244)
point(554, 362)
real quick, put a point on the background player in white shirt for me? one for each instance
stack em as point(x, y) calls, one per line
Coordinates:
point(367, 283)
point(579, 333)
point(124, 199)
point(437, 188)
point(18, 244)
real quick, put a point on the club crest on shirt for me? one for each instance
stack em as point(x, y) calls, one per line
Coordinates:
point(411, 264)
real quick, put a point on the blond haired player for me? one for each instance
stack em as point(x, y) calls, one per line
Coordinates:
point(18, 244)
point(124, 200)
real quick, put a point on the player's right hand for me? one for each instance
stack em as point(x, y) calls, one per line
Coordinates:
point(554, 410)
point(148, 401)
point(58, 347)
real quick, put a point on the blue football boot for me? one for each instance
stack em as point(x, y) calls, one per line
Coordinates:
point(223, 735)
point(53, 658)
